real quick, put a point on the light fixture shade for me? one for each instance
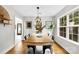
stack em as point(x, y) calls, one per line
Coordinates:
point(38, 25)
point(38, 18)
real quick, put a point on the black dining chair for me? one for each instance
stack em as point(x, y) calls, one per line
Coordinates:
point(46, 47)
point(31, 49)
point(52, 37)
point(25, 37)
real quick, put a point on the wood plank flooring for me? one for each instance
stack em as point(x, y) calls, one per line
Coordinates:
point(20, 48)
point(58, 49)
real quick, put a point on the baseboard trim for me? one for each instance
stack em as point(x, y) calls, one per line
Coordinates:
point(6, 50)
point(11, 47)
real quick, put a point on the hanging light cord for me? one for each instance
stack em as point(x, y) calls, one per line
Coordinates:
point(37, 11)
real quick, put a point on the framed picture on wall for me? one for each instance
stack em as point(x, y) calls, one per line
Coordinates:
point(48, 24)
point(28, 24)
point(19, 29)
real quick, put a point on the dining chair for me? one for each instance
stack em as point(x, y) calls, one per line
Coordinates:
point(46, 47)
point(47, 51)
point(39, 50)
point(31, 49)
point(25, 37)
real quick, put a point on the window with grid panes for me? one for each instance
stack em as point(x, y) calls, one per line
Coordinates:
point(73, 26)
point(63, 26)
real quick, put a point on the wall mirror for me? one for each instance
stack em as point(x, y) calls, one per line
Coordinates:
point(19, 29)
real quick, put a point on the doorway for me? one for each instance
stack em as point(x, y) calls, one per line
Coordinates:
point(18, 29)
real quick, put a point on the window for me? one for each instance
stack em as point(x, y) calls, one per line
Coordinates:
point(69, 26)
point(63, 26)
point(74, 18)
point(73, 25)
point(63, 31)
point(73, 33)
point(63, 21)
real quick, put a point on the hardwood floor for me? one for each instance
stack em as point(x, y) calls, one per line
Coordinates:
point(58, 49)
point(21, 48)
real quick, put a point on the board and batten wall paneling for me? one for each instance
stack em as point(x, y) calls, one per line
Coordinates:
point(67, 44)
point(7, 34)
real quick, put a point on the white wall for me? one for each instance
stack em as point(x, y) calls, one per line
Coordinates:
point(68, 45)
point(27, 31)
point(18, 37)
point(7, 34)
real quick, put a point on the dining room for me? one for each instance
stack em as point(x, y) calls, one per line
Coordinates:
point(39, 29)
point(35, 33)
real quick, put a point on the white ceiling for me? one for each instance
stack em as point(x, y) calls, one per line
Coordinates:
point(45, 10)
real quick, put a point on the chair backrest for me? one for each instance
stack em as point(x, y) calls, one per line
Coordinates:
point(30, 50)
point(25, 37)
point(39, 48)
point(47, 51)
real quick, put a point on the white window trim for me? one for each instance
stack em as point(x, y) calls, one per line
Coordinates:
point(69, 40)
point(67, 27)
point(58, 27)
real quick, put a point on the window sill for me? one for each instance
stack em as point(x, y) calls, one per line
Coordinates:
point(69, 40)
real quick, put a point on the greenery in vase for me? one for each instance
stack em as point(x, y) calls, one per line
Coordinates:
point(51, 26)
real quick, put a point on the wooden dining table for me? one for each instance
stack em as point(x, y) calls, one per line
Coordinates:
point(35, 39)
point(39, 40)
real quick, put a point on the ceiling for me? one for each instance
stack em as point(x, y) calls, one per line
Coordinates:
point(30, 10)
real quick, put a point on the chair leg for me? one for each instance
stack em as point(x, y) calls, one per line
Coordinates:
point(34, 49)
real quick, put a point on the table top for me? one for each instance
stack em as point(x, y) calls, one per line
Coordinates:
point(34, 39)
